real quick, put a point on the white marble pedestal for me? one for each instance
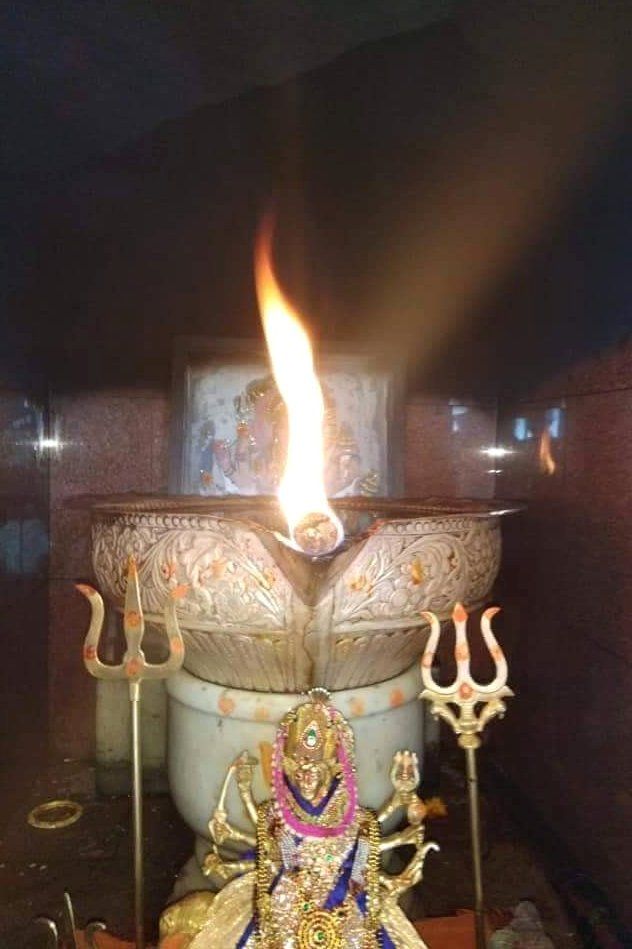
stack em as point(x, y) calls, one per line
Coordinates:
point(209, 725)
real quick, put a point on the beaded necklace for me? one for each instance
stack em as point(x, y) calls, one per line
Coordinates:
point(318, 928)
point(306, 827)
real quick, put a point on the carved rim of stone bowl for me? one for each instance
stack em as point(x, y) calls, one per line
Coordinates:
point(343, 620)
point(360, 515)
point(363, 518)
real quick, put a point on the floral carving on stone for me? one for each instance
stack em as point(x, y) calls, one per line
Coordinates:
point(396, 576)
point(230, 578)
point(244, 623)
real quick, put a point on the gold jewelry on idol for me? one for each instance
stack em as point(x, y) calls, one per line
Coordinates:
point(318, 928)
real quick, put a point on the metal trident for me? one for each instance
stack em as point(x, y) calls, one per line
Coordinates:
point(68, 920)
point(457, 704)
point(465, 693)
point(134, 668)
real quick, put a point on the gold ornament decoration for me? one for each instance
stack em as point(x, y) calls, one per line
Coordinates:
point(312, 878)
point(319, 929)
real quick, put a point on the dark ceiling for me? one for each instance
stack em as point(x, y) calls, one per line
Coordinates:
point(82, 77)
point(436, 186)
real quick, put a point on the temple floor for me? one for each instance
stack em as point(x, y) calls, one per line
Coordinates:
point(92, 858)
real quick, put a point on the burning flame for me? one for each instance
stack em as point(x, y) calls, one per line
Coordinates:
point(301, 491)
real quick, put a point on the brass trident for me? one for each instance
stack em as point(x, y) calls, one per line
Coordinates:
point(134, 668)
point(68, 920)
point(457, 704)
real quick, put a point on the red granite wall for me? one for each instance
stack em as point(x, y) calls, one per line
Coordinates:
point(112, 441)
point(118, 440)
point(23, 566)
point(566, 584)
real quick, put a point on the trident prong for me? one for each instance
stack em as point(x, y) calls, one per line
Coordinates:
point(51, 928)
point(134, 665)
point(457, 704)
point(135, 668)
point(96, 926)
point(69, 919)
point(69, 925)
point(464, 692)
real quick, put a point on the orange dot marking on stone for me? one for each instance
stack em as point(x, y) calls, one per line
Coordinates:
point(497, 653)
point(458, 614)
point(396, 698)
point(132, 618)
point(181, 590)
point(261, 714)
point(465, 691)
point(461, 653)
point(427, 660)
point(90, 653)
point(226, 705)
point(177, 645)
point(356, 706)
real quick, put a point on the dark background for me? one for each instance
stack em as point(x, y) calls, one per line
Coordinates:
point(457, 193)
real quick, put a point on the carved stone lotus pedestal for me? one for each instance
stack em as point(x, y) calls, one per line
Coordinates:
point(259, 618)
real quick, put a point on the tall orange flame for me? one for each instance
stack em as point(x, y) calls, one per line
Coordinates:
point(302, 488)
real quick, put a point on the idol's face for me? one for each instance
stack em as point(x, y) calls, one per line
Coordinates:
point(312, 779)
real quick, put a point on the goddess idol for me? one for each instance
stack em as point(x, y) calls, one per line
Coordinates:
point(311, 877)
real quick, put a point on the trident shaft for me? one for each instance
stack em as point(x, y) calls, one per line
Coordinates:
point(457, 705)
point(134, 668)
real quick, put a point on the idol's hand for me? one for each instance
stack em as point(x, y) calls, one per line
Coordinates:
point(245, 766)
point(219, 828)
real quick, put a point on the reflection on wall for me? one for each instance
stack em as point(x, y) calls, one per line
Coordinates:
point(23, 565)
point(567, 585)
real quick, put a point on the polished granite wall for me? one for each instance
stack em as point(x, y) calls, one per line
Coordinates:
point(112, 441)
point(566, 584)
point(23, 570)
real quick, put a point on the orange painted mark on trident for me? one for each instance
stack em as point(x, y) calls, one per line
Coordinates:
point(85, 589)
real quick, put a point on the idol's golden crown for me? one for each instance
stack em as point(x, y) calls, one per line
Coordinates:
point(312, 734)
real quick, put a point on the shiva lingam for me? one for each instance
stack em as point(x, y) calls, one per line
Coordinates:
point(280, 595)
point(312, 878)
point(263, 623)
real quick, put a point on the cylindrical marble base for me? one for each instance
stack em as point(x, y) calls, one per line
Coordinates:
point(210, 725)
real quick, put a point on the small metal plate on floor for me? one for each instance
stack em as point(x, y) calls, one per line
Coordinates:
point(53, 815)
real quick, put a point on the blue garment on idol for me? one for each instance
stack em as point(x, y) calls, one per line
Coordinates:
point(340, 890)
